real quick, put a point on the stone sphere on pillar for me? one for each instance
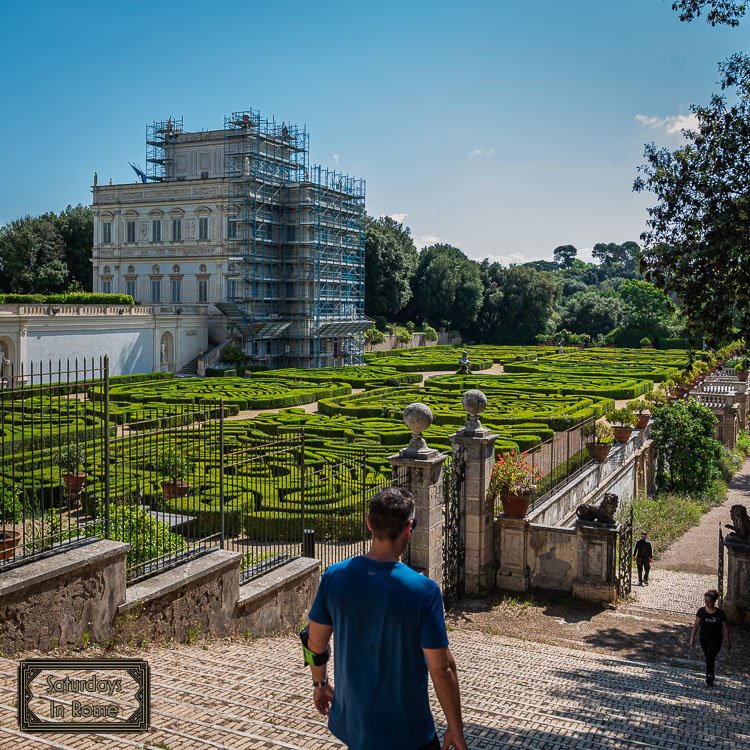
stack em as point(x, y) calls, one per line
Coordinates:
point(418, 417)
point(474, 403)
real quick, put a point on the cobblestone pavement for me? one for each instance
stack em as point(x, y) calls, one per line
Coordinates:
point(251, 695)
point(671, 591)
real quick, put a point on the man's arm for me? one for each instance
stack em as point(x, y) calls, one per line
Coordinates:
point(694, 631)
point(444, 675)
point(318, 642)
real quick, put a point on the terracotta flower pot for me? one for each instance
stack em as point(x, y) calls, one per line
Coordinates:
point(622, 434)
point(74, 482)
point(515, 506)
point(9, 540)
point(599, 451)
point(642, 422)
point(175, 488)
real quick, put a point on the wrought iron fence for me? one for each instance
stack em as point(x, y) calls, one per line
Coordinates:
point(76, 466)
point(49, 441)
point(559, 459)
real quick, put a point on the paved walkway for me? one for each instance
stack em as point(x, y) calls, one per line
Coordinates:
point(254, 694)
point(672, 591)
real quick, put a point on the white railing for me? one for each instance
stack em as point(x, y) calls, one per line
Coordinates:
point(74, 310)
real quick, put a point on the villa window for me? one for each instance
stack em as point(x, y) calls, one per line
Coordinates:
point(107, 232)
point(176, 230)
point(156, 230)
point(203, 228)
point(131, 231)
point(156, 290)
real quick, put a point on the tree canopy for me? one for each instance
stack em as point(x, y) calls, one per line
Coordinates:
point(698, 237)
point(592, 312)
point(718, 12)
point(564, 255)
point(390, 262)
point(446, 287)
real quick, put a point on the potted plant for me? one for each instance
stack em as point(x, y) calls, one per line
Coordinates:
point(646, 343)
point(642, 410)
point(11, 512)
point(513, 481)
point(599, 440)
point(742, 368)
point(623, 421)
point(177, 468)
point(71, 459)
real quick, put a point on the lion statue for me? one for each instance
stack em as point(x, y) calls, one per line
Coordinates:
point(740, 522)
point(602, 513)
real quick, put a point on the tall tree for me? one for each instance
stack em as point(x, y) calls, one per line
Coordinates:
point(76, 227)
point(564, 255)
point(390, 262)
point(447, 286)
point(618, 260)
point(698, 239)
point(32, 256)
point(518, 302)
point(592, 312)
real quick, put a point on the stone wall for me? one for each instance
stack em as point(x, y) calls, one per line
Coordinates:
point(80, 596)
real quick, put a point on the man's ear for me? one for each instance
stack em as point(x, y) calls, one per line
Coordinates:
point(369, 525)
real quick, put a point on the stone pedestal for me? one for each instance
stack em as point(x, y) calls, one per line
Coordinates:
point(477, 448)
point(424, 479)
point(510, 539)
point(737, 596)
point(597, 553)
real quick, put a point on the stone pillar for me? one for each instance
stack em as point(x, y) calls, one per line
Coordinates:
point(419, 470)
point(510, 540)
point(596, 579)
point(737, 598)
point(475, 446)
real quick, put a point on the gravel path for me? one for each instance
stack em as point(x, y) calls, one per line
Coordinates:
point(697, 550)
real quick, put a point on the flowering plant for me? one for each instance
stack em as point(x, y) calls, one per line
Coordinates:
point(512, 473)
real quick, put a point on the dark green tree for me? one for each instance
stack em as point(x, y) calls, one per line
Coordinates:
point(592, 312)
point(390, 262)
point(687, 454)
point(76, 227)
point(517, 304)
point(727, 12)
point(697, 243)
point(32, 256)
point(564, 255)
point(618, 260)
point(447, 286)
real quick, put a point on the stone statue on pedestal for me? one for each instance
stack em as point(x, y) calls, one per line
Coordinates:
point(464, 365)
point(604, 513)
point(740, 523)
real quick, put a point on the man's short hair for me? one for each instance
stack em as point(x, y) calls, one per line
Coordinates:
point(390, 510)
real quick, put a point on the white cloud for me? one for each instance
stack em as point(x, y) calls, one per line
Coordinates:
point(336, 158)
point(427, 239)
point(506, 260)
point(672, 124)
point(400, 218)
point(481, 152)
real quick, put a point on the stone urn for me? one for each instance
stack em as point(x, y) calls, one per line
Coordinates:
point(599, 451)
point(9, 541)
point(741, 374)
point(515, 506)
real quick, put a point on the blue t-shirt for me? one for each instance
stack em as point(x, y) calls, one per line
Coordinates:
point(383, 615)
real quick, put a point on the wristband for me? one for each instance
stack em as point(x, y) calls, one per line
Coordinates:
point(311, 658)
point(321, 683)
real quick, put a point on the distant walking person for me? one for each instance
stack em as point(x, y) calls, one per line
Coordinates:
point(712, 623)
point(644, 554)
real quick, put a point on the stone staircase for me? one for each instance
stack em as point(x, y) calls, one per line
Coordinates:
point(189, 369)
point(251, 694)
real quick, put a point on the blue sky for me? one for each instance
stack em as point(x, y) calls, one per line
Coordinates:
point(506, 128)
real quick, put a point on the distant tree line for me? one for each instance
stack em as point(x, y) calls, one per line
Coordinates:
point(604, 301)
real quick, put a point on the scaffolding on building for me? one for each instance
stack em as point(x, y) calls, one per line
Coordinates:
point(297, 233)
point(161, 136)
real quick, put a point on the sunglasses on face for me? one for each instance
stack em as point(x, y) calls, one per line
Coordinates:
point(413, 523)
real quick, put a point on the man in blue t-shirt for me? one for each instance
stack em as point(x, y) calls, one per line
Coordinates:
point(390, 631)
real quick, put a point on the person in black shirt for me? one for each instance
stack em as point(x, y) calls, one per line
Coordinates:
point(644, 553)
point(712, 623)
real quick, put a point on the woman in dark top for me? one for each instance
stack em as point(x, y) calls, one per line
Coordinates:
point(712, 623)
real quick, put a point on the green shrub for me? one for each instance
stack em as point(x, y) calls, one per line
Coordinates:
point(374, 336)
point(67, 298)
point(232, 355)
point(11, 506)
point(148, 537)
point(430, 334)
